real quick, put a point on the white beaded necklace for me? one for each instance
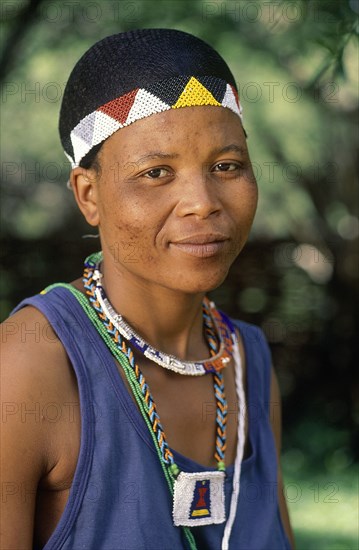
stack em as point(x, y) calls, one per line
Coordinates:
point(165, 360)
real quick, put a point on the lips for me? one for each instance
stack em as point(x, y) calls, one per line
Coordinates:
point(202, 239)
point(201, 246)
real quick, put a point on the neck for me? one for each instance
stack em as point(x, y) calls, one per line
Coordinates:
point(169, 320)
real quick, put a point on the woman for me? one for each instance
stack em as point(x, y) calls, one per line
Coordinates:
point(155, 421)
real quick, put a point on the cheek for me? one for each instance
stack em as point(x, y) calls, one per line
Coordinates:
point(243, 207)
point(133, 215)
point(130, 232)
point(250, 192)
point(252, 198)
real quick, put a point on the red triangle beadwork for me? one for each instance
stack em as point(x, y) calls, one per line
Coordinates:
point(119, 108)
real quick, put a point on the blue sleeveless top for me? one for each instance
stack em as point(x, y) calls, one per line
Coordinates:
point(119, 499)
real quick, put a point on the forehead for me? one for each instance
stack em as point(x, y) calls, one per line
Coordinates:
point(178, 130)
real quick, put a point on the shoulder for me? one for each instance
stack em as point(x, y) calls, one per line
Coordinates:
point(31, 348)
point(35, 374)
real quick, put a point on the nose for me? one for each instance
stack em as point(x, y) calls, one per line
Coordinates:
point(198, 196)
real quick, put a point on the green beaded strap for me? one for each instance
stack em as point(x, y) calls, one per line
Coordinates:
point(121, 357)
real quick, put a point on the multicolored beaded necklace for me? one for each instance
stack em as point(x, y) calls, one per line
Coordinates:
point(91, 278)
point(198, 497)
point(211, 318)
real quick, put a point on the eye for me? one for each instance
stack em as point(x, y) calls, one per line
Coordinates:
point(156, 173)
point(226, 167)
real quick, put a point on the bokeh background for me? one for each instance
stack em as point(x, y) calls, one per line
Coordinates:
point(296, 64)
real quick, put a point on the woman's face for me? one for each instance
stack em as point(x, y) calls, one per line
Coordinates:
point(176, 197)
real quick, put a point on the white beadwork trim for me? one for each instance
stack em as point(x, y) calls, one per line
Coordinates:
point(230, 102)
point(240, 445)
point(162, 359)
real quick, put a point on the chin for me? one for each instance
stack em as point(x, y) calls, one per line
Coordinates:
point(202, 282)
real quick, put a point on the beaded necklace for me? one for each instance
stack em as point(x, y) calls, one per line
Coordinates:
point(210, 315)
point(90, 279)
point(198, 497)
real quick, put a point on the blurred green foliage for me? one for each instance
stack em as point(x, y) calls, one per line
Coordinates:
point(296, 64)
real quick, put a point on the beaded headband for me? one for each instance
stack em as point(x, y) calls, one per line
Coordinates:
point(141, 103)
point(133, 75)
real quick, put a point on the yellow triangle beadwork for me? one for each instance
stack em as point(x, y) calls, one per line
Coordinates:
point(195, 94)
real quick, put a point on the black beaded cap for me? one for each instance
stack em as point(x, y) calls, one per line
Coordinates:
point(123, 62)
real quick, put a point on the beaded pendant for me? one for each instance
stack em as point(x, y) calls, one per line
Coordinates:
point(198, 499)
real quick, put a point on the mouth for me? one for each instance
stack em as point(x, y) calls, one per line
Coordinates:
point(201, 246)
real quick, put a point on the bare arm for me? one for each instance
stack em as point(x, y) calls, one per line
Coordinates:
point(30, 366)
point(276, 421)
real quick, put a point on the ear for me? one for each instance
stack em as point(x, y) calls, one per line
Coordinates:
point(84, 185)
